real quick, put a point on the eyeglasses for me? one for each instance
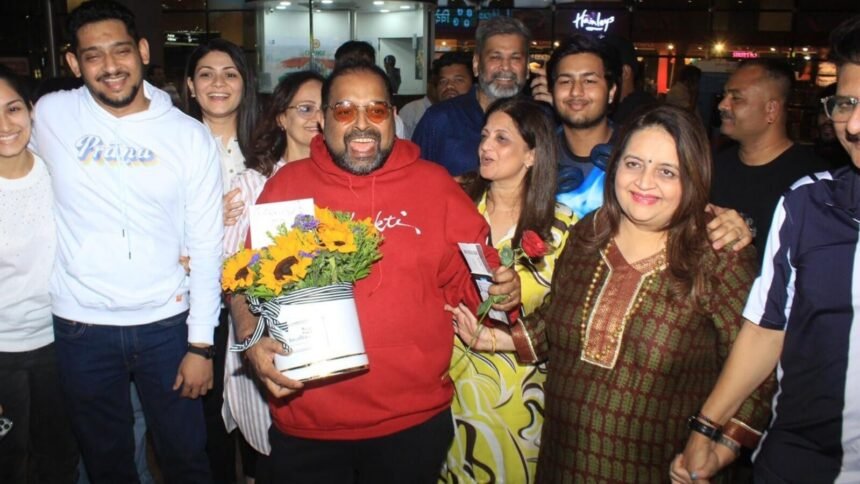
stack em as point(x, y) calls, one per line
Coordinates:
point(305, 110)
point(346, 112)
point(839, 108)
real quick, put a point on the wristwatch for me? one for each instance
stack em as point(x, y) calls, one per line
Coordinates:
point(696, 425)
point(207, 352)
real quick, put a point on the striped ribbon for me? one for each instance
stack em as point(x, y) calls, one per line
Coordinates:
point(269, 311)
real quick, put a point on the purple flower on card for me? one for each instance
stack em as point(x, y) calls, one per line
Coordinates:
point(305, 222)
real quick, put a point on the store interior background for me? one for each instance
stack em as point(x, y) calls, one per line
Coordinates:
point(282, 36)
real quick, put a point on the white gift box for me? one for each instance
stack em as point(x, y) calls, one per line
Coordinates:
point(320, 328)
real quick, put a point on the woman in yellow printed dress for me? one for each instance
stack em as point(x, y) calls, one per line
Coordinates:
point(498, 402)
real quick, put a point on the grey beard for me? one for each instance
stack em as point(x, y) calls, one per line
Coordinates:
point(495, 92)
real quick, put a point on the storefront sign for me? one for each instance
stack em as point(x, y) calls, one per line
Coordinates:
point(744, 54)
point(592, 21)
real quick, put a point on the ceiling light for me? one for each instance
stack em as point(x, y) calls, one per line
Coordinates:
point(281, 7)
point(719, 47)
point(327, 2)
point(444, 44)
point(378, 2)
point(286, 3)
point(805, 49)
point(556, 44)
point(384, 10)
point(773, 49)
point(405, 7)
point(671, 46)
point(806, 57)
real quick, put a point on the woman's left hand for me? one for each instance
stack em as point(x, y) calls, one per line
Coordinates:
point(466, 326)
point(728, 228)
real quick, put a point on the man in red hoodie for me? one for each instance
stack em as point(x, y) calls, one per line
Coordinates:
point(391, 423)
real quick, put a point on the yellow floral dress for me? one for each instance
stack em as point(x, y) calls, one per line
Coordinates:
point(498, 402)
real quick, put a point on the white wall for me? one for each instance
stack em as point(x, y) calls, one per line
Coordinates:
point(286, 38)
point(392, 33)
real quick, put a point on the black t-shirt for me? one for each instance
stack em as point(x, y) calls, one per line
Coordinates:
point(755, 190)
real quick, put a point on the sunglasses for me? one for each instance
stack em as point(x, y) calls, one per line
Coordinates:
point(346, 112)
point(305, 110)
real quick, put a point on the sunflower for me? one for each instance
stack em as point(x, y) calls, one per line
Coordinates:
point(338, 239)
point(298, 241)
point(237, 273)
point(371, 227)
point(286, 264)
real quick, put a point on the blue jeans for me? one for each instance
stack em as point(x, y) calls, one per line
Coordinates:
point(96, 365)
point(140, 461)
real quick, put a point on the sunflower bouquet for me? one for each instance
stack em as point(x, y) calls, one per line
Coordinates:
point(317, 250)
point(301, 286)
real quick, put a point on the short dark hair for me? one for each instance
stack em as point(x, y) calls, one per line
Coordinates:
point(18, 84)
point(845, 42)
point(450, 59)
point(97, 11)
point(586, 44)
point(776, 70)
point(501, 26)
point(270, 141)
point(248, 112)
point(355, 49)
point(351, 66)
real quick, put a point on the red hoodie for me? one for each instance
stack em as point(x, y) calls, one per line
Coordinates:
point(422, 214)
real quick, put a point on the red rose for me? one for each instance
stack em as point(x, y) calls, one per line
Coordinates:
point(533, 246)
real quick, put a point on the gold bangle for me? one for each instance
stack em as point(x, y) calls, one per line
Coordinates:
point(493, 339)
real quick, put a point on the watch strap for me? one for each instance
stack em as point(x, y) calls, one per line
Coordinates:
point(208, 352)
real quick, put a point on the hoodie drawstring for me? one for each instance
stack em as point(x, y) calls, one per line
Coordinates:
point(372, 214)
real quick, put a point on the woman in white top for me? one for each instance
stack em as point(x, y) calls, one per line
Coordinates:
point(220, 91)
point(39, 445)
point(283, 135)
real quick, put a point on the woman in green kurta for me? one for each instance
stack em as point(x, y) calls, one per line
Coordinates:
point(498, 402)
point(641, 315)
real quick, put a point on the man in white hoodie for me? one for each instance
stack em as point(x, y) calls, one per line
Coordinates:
point(136, 184)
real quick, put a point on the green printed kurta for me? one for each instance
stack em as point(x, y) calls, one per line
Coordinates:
point(626, 422)
point(498, 401)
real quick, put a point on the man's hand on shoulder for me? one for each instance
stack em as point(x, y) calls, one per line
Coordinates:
point(728, 229)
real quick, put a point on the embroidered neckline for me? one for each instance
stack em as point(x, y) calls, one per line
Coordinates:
point(601, 328)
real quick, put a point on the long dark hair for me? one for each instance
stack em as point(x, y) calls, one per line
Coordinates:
point(687, 232)
point(269, 140)
point(248, 112)
point(18, 84)
point(537, 211)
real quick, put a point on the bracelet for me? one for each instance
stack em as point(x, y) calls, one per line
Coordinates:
point(708, 421)
point(731, 444)
point(741, 433)
point(493, 339)
point(697, 425)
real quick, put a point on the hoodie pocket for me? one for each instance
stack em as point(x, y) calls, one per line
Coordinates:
point(118, 273)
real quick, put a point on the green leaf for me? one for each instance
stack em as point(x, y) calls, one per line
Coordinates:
point(484, 308)
point(507, 256)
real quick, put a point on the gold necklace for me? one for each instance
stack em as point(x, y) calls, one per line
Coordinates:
point(618, 331)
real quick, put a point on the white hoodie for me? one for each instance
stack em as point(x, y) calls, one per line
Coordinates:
point(130, 194)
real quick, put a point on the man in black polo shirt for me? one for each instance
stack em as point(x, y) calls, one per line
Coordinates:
point(751, 175)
